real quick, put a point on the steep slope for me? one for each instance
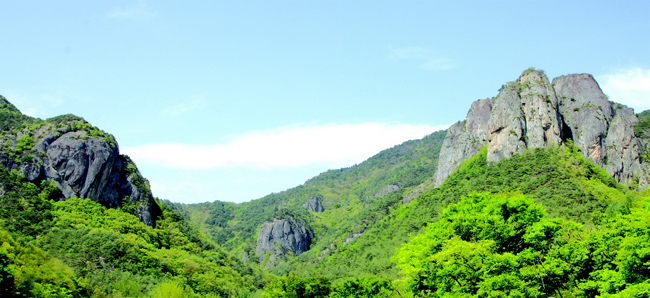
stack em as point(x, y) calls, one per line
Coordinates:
point(336, 206)
point(116, 241)
point(78, 158)
point(533, 113)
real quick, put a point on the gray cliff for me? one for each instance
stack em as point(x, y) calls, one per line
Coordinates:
point(282, 237)
point(314, 204)
point(82, 166)
point(533, 113)
point(464, 139)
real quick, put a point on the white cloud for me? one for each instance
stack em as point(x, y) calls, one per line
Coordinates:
point(629, 86)
point(138, 12)
point(425, 55)
point(286, 147)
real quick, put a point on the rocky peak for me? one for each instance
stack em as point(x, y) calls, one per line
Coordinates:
point(532, 113)
point(81, 160)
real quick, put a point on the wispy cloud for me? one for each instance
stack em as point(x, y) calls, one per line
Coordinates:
point(141, 11)
point(186, 106)
point(286, 147)
point(428, 59)
point(628, 86)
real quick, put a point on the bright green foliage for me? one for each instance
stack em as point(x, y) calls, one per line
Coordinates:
point(28, 272)
point(25, 143)
point(296, 287)
point(168, 290)
point(503, 245)
point(615, 258)
point(486, 246)
point(102, 244)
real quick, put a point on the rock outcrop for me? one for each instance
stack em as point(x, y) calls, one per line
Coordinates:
point(314, 204)
point(83, 166)
point(533, 113)
point(464, 139)
point(390, 188)
point(282, 237)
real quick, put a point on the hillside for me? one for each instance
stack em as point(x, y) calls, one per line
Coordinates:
point(570, 161)
point(117, 240)
point(350, 200)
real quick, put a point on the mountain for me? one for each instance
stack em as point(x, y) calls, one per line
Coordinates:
point(563, 145)
point(78, 158)
point(533, 113)
point(78, 220)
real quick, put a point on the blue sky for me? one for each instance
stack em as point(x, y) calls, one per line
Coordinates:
point(233, 100)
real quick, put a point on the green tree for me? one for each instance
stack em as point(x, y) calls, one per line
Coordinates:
point(486, 246)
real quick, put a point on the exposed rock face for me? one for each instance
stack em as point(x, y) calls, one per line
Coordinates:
point(282, 237)
point(524, 116)
point(623, 160)
point(532, 113)
point(386, 190)
point(314, 204)
point(87, 167)
point(464, 139)
point(586, 113)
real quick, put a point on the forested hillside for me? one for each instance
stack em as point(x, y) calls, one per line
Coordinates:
point(352, 200)
point(56, 245)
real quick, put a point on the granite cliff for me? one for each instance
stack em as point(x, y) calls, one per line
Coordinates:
point(282, 237)
point(532, 112)
point(81, 160)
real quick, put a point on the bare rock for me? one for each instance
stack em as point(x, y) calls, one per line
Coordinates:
point(314, 204)
point(464, 139)
point(586, 113)
point(281, 237)
point(387, 189)
point(623, 159)
point(506, 127)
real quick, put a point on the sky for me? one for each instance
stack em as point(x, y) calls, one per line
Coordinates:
point(234, 100)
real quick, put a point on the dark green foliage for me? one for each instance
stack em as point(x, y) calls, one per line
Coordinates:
point(296, 287)
point(642, 129)
point(24, 207)
point(364, 287)
point(6, 276)
point(219, 215)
